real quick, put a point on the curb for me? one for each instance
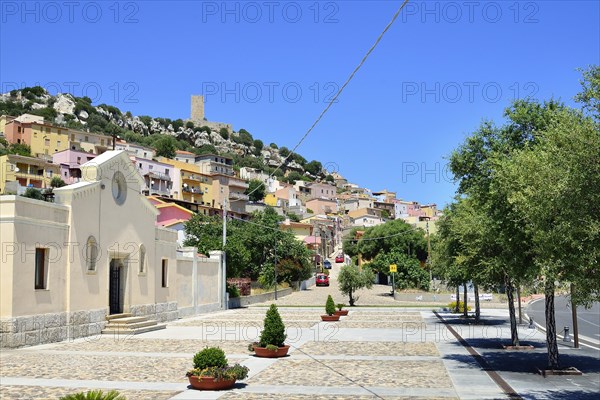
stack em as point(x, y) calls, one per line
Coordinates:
point(584, 341)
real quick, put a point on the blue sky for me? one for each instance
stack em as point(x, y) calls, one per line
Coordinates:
point(270, 67)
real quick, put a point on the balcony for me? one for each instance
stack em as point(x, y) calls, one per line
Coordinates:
point(238, 197)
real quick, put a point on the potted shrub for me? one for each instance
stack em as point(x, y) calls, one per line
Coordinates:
point(341, 312)
point(272, 336)
point(330, 310)
point(212, 372)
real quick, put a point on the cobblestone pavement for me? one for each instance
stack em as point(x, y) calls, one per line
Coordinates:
point(368, 354)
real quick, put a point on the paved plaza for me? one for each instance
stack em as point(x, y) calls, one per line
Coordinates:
point(378, 351)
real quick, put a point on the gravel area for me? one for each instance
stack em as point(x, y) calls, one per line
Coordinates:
point(370, 348)
point(350, 373)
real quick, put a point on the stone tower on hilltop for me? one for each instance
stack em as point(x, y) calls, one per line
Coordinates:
point(197, 108)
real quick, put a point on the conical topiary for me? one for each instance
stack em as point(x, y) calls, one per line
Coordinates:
point(273, 332)
point(330, 306)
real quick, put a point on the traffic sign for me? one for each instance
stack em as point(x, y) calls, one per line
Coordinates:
point(393, 268)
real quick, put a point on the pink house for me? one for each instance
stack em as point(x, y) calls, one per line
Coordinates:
point(69, 162)
point(322, 206)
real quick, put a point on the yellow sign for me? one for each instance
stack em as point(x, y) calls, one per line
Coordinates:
point(393, 268)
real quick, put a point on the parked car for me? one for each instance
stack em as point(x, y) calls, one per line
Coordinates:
point(339, 259)
point(322, 280)
point(327, 264)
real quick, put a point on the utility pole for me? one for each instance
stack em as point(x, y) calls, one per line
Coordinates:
point(429, 254)
point(224, 261)
point(275, 266)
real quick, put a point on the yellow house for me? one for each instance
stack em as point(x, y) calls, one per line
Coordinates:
point(26, 171)
point(271, 199)
point(189, 184)
point(300, 230)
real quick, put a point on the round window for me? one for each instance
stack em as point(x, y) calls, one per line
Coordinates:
point(119, 187)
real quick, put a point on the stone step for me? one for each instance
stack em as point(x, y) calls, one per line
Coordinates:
point(117, 316)
point(133, 325)
point(136, 331)
point(127, 320)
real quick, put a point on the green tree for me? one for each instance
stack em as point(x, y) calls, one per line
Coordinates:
point(409, 275)
point(284, 151)
point(165, 146)
point(256, 190)
point(550, 184)
point(351, 279)
point(590, 93)
point(57, 182)
point(314, 167)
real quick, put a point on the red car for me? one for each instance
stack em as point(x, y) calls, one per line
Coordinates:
point(339, 259)
point(322, 280)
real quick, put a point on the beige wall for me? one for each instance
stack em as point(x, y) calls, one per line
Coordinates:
point(26, 224)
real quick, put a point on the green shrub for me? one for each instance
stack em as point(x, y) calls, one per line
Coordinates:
point(33, 193)
point(94, 395)
point(210, 357)
point(224, 133)
point(330, 306)
point(461, 306)
point(340, 306)
point(233, 291)
point(273, 332)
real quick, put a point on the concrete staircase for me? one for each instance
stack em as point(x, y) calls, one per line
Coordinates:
point(126, 324)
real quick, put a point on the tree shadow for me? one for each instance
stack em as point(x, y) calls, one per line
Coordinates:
point(527, 361)
point(483, 321)
point(561, 395)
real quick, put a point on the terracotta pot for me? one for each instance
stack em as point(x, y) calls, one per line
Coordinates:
point(263, 352)
point(209, 383)
point(341, 312)
point(330, 318)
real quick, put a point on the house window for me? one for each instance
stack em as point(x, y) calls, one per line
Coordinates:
point(46, 142)
point(150, 166)
point(58, 143)
point(101, 142)
point(140, 165)
point(143, 259)
point(166, 171)
point(19, 129)
point(165, 273)
point(86, 139)
point(91, 254)
point(40, 268)
point(78, 160)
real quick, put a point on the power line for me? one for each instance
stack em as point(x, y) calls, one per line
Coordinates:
point(339, 92)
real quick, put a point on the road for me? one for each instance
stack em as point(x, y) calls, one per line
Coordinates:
point(588, 320)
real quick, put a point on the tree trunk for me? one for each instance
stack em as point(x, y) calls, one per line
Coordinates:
point(514, 334)
point(465, 312)
point(456, 308)
point(477, 305)
point(551, 341)
point(351, 299)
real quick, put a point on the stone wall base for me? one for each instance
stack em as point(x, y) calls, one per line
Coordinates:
point(50, 328)
point(161, 312)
